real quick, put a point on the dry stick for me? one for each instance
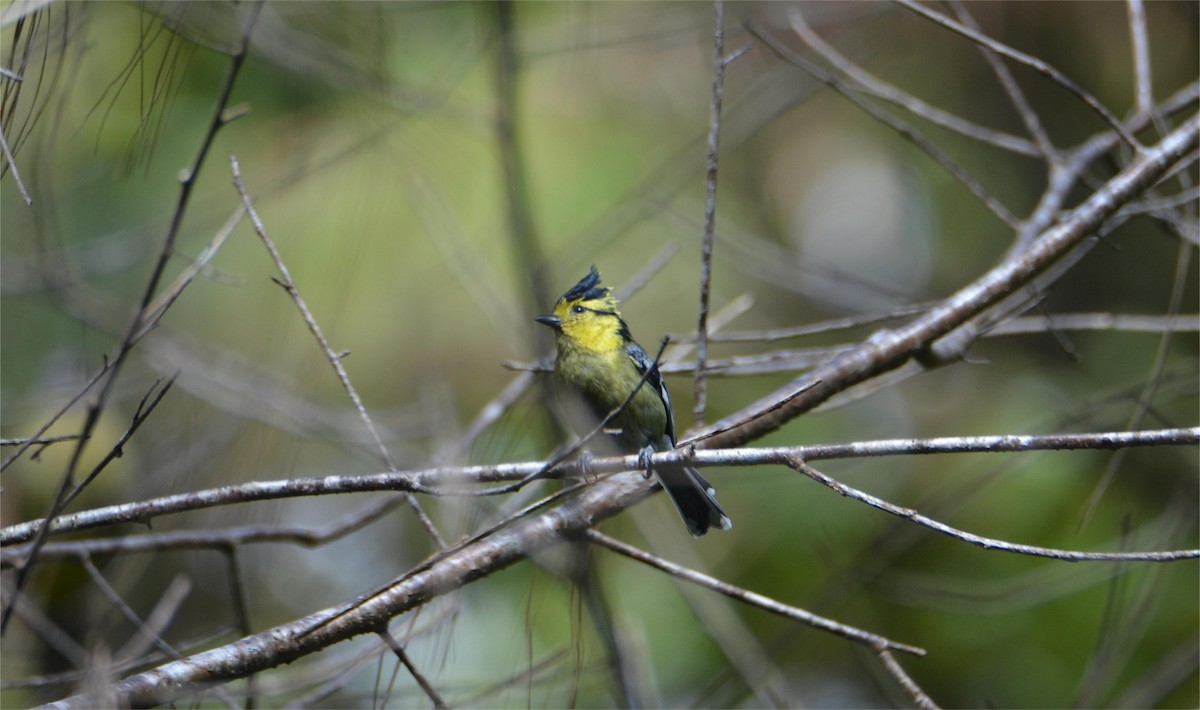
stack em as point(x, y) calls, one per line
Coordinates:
point(151, 631)
point(644, 275)
point(883, 90)
point(1142, 83)
point(493, 410)
point(422, 681)
point(987, 543)
point(826, 326)
point(167, 298)
point(795, 359)
point(73, 677)
point(1028, 115)
point(334, 359)
point(1032, 62)
point(450, 571)
point(1181, 199)
point(225, 539)
point(144, 511)
point(142, 413)
point(906, 131)
point(420, 480)
point(1025, 324)
point(873, 641)
point(54, 636)
point(1179, 323)
point(896, 671)
point(12, 165)
point(39, 441)
point(445, 554)
point(155, 313)
point(350, 663)
point(712, 154)
point(301, 637)
point(97, 407)
point(753, 667)
point(151, 628)
point(888, 350)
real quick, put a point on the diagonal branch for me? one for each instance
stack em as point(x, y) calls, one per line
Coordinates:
point(334, 359)
point(888, 350)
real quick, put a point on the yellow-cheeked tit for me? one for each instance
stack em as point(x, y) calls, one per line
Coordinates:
point(599, 364)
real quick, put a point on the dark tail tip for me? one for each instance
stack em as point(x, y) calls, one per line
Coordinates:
point(695, 499)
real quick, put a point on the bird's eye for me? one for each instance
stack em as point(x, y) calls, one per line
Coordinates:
point(577, 309)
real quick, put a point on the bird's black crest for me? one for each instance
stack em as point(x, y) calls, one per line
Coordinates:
point(587, 289)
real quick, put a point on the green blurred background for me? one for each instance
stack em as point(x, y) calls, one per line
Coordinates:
point(369, 146)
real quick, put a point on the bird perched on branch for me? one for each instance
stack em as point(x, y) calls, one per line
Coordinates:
point(597, 367)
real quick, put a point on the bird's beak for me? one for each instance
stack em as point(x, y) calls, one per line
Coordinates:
point(551, 321)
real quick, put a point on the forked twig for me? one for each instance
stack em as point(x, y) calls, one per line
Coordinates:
point(334, 359)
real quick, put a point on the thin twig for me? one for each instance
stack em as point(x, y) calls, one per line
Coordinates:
point(12, 165)
point(1032, 62)
point(1028, 115)
point(851, 633)
point(431, 481)
point(422, 681)
point(889, 350)
point(912, 104)
point(988, 543)
point(712, 155)
point(1143, 86)
point(237, 58)
point(143, 412)
point(444, 554)
point(39, 441)
point(905, 130)
point(334, 359)
point(224, 539)
point(919, 697)
point(155, 313)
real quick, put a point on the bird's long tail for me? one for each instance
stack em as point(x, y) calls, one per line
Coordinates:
point(695, 498)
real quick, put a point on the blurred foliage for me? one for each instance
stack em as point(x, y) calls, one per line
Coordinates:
point(369, 147)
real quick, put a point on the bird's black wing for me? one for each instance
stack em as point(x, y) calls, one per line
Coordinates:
point(643, 362)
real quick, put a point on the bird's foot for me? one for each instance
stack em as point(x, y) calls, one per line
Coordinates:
point(644, 461)
point(585, 465)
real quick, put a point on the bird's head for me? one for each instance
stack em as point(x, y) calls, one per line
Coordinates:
point(587, 316)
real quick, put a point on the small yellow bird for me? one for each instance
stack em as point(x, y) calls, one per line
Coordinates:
point(598, 365)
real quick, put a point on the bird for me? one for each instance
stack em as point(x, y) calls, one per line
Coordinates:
point(598, 364)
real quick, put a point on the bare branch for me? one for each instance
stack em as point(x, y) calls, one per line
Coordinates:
point(908, 102)
point(894, 669)
point(988, 543)
point(94, 410)
point(334, 359)
point(1143, 86)
point(888, 350)
point(850, 633)
point(453, 480)
point(903, 129)
point(1032, 62)
point(422, 681)
point(712, 155)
